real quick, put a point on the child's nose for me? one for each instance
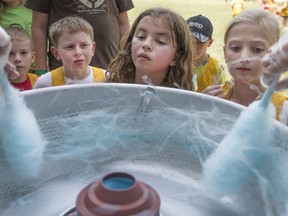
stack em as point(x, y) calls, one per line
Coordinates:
point(78, 50)
point(147, 45)
point(17, 57)
point(245, 54)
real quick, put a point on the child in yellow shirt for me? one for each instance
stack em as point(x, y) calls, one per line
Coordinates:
point(237, 6)
point(209, 71)
point(73, 44)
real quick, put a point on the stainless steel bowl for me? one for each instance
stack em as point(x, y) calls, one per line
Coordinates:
point(160, 135)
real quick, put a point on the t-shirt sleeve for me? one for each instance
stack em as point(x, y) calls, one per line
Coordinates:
point(42, 6)
point(124, 5)
point(43, 81)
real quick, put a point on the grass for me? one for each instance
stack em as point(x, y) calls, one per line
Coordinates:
point(216, 10)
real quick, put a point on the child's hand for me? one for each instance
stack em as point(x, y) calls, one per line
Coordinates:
point(10, 69)
point(276, 62)
point(215, 90)
point(5, 48)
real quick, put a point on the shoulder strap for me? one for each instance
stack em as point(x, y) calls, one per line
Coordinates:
point(57, 77)
point(99, 74)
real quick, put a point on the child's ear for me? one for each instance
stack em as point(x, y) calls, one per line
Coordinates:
point(93, 47)
point(55, 52)
point(210, 42)
point(33, 56)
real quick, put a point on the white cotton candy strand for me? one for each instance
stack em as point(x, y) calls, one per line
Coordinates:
point(241, 151)
point(20, 134)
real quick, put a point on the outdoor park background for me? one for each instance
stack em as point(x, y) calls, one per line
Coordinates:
point(216, 10)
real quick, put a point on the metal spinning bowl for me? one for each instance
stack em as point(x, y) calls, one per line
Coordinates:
point(173, 169)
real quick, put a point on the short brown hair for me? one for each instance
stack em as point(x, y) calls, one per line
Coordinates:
point(16, 32)
point(69, 25)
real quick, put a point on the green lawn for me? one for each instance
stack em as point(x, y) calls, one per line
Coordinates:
point(216, 10)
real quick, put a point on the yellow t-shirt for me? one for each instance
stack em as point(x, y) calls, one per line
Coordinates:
point(277, 98)
point(284, 12)
point(284, 75)
point(211, 73)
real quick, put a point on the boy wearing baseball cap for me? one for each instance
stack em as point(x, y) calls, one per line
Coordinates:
point(209, 70)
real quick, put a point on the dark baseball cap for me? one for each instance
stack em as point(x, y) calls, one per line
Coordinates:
point(200, 27)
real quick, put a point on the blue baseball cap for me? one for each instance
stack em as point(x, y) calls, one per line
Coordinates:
point(200, 27)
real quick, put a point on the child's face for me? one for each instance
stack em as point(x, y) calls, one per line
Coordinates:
point(201, 49)
point(13, 3)
point(153, 49)
point(75, 51)
point(243, 50)
point(21, 55)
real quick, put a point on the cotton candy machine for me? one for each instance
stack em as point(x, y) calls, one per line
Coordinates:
point(161, 136)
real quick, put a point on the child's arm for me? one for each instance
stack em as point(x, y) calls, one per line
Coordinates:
point(123, 22)
point(40, 36)
point(11, 71)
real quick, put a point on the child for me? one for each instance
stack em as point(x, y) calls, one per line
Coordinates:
point(268, 5)
point(12, 12)
point(247, 39)
point(283, 13)
point(237, 6)
point(158, 47)
point(109, 19)
point(209, 71)
point(22, 55)
point(72, 39)
point(5, 47)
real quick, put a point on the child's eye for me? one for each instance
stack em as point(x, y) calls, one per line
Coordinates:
point(257, 50)
point(24, 53)
point(85, 45)
point(140, 37)
point(161, 42)
point(70, 47)
point(235, 48)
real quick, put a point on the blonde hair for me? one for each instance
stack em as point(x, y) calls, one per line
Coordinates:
point(256, 17)
point(122, 68)
point(260, 18)
point(18, 33)
point(69, 25)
